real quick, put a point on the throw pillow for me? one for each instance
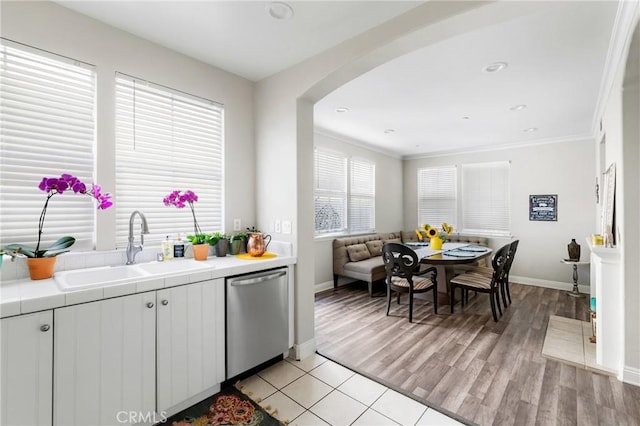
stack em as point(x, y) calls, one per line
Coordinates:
point(358, 252)
point(375, 247)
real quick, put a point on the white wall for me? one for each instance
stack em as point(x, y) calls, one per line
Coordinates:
point(51, 27)
point(388, 207)
point(565, 169)
point(620, 124)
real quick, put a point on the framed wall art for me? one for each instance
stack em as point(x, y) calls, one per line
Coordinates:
point(543, 207)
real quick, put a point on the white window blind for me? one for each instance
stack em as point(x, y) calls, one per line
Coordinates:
point(485, 198)
point(437, 201)
point(330, 191)
point(47, 128)
point(167, 140)
point(362, 196)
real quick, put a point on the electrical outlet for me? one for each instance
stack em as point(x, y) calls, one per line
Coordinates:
point(286, 227)
point(277, 226)
point(237, 225)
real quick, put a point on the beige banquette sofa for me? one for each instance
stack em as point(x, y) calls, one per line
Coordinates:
point(360, 257)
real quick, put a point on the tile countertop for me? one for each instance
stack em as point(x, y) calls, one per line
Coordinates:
point(23, 296)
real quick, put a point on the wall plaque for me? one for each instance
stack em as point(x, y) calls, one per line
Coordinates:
point(543, 207)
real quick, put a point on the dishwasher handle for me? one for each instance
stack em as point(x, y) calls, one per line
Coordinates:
point(251, 281)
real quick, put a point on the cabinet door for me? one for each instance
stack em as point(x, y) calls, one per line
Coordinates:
point(190, 340)
point(104, 366)
point(26, 371)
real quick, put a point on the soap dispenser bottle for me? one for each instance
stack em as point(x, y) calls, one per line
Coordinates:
point(166, 249)
point(178, 247)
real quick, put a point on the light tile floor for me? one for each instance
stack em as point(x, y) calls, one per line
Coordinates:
point(317, 391)
point(567, 340)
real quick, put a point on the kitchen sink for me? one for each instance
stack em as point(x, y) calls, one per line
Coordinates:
point(173, 266)
point(94, 277)
point(104, 276)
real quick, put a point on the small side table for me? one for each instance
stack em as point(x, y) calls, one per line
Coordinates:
point(574, 264)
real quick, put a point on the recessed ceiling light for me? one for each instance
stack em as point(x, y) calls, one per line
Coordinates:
point(342, 109)
point(466, 117)
point(530, 129)
point(518, 107)
point(390, 131)
point(495, 67)
point(279, 10)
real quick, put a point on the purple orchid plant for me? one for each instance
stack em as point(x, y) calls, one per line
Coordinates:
point(181, 200)
point(53, 186)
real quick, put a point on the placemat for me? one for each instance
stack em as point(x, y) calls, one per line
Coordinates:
point(265, 255)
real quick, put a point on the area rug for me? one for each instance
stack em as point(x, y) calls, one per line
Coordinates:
point(227, 407)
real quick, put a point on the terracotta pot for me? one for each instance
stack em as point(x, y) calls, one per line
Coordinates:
point(436, 243)
point(41, 268)
point(256, 246)
point(200, 251)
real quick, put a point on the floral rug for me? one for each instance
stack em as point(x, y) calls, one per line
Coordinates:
point(227, 407)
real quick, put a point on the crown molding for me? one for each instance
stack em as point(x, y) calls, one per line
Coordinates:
point(355, 142)
point(626, 18)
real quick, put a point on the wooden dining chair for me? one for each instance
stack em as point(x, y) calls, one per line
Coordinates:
point(483, 283)
point(404, 275)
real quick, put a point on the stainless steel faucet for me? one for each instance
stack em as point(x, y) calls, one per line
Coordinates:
point(132, 250)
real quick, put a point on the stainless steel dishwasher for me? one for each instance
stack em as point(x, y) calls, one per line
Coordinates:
point(257, 319)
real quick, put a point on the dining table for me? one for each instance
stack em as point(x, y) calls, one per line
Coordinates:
point(446, 260)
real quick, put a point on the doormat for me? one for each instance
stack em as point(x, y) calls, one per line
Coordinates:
point(227, 407)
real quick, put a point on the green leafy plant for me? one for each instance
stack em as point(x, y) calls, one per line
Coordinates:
point(200, 239)
point(239, 236)
point(216, 237)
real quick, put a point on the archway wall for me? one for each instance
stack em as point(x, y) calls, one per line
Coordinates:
point(631, 195)
point(284, 122)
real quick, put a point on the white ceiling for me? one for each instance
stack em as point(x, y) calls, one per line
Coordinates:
point(556, 61)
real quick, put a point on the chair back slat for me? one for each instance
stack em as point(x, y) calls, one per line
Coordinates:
point(499, 263)
point(399, 260)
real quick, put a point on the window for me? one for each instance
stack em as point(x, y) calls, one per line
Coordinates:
point(362, 199)
point(485, 198)
point(437, 201)
point(47, 126)
point(167, 140)
point(344, 193)
point(330, 192)
point(483, 206)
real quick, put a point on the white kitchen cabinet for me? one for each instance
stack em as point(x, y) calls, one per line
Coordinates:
point(104, 356)
point(26, 370)
point(190, 341)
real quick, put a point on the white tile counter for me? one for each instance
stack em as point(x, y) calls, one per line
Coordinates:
point(21, 296)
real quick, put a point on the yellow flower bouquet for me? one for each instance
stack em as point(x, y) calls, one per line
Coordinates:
point(436, 236)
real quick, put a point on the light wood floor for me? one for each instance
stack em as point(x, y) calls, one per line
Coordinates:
point(481, 371)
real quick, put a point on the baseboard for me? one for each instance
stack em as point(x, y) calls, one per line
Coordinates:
point(327, 285)
point(557, 285)
point(631, 375)
point(303, 350)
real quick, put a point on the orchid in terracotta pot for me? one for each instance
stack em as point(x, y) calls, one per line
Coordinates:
point(199, 241)
point(54, 186)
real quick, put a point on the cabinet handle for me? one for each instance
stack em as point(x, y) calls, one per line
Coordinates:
point(44, 327)
point(150, 305)
point(165, 302)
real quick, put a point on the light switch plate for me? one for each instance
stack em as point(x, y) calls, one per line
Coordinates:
point(286, 227)
point(237, 225)
point(277, 227)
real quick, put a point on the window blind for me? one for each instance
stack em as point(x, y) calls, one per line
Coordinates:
point(47, 128)
point(362, 196)
point(330, 191)
point(437, 201)
point(167, 140)
point(485, 198)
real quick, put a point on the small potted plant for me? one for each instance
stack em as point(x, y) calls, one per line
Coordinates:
point(220, 242)
point(238, 243)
